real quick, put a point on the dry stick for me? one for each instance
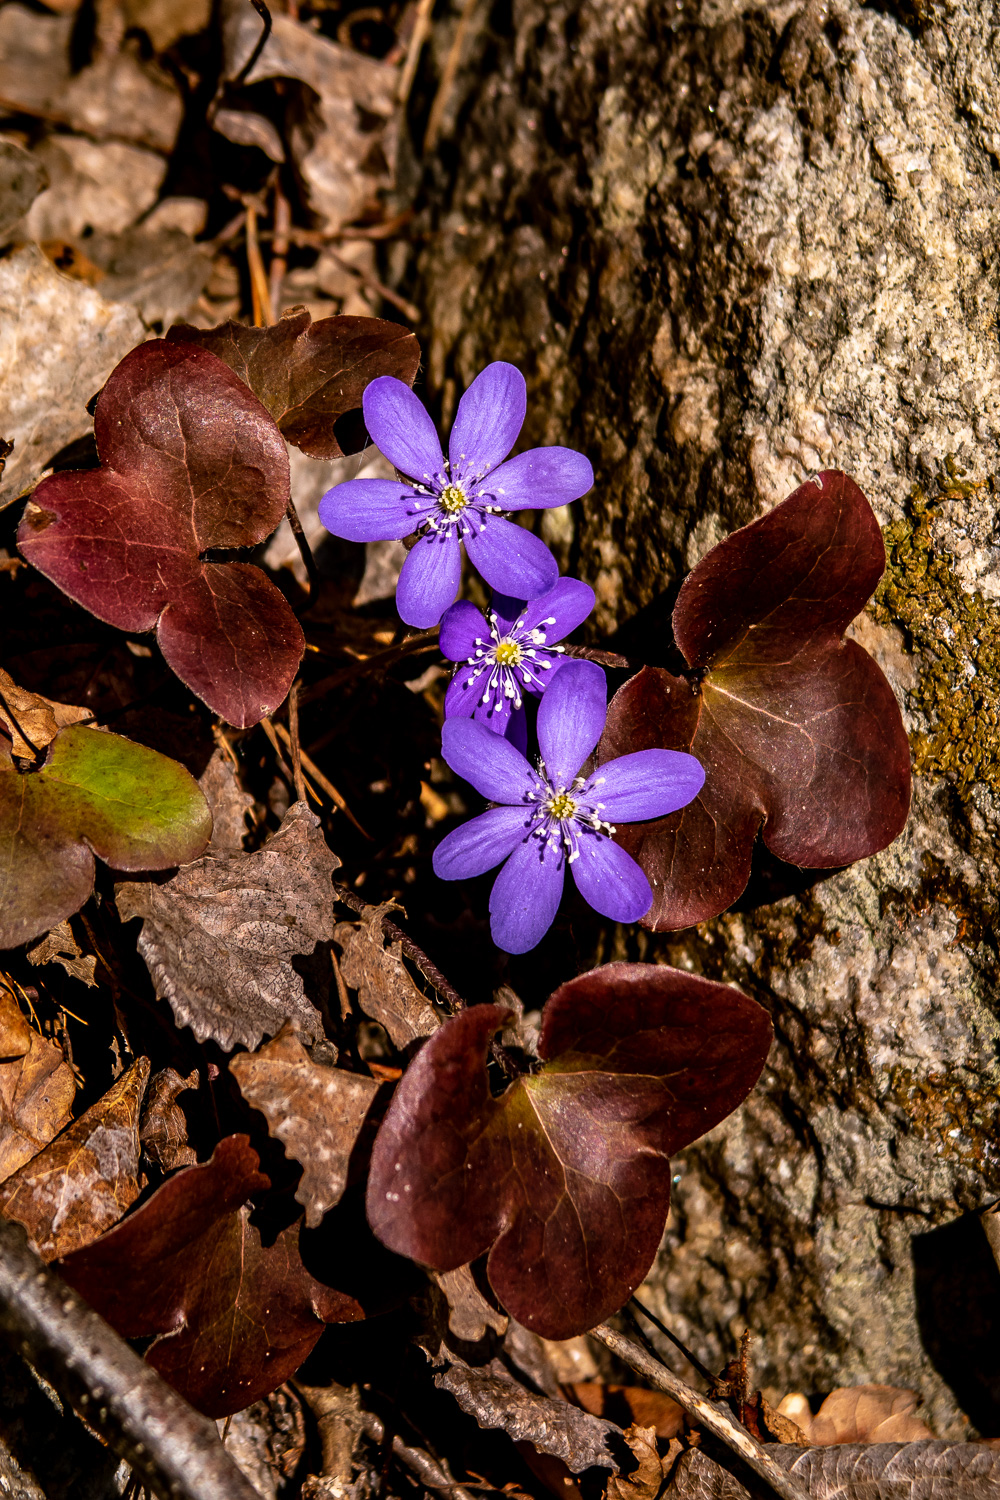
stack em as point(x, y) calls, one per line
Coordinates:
point(691, 1358)
point(707, 1414)
point(317, 775)
point(259, 289)
point(419, 35)
point(374, 285)
point(174, 1448)
point(293, 741)
point(431, 1474)
point(279, 247)
point(447, 83)
point(427, 967)
point(260, 44)
point(305, 552)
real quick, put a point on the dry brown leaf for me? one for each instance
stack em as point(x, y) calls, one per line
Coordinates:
point(82, 1183)
point(166, 21)
point(316, 1112)
point(859, 1414)
point(102, 186)
point(779, 1426)
point(469, 1313)
point(385, 990)
point(228, 802)
point(647, 1476)
point(36, 1088)
point(163, 1132)
point(21, 180)
point(630, 1404)
point(221, 936)
point(33, 721)
point(59, 946)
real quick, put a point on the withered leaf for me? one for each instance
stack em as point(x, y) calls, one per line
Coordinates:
point(859, 1414)
point(851, 1471)
point(236, 1317)
point(220, 937)
point(309, 374)
point(647, 1476)
point(163, 1132)
point(36, 1088)
point(315, 1112)
point(496, 1399)
point(630, 1404)
point(469, 1313)
point(33, 721)
point(60, 947)
point(229, 804)
point(385, 990)
point(87, 1177)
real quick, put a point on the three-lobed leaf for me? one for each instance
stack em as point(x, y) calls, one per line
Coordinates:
point(190, 462)
point(95, 793)
point(565, 1177)
point(310, 374)
point(798, 730)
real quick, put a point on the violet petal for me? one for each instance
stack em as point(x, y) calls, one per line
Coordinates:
point(487, 761)
point(646, 784)
point(463, 693)
point(609, 880)
point(369, 510)
point(461, 625)
point(526, 896)
point(401, 429)
point(517, 730)
point(490, 416)
point(569, 604)
point(495, 715)
point(541, 478)
point(511, 559)
point(571, 718)
point(480, 844)
point(429, 579)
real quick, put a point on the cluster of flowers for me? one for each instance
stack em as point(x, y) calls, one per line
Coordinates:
point(561, 813)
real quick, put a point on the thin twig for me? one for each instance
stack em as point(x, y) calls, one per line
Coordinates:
point(692, 1359)
point(419, 35)
point(708, 1414)
point(305, 551)
point(427, 967)
point(174, 1448)
point(374, 285)
point(313, 770)
point(261, 43)
point(426, 641)
point(259, 290)
point(447, 82)
point(293, 741)
point(430, 1473)
point(279, 247)
point(283, 766)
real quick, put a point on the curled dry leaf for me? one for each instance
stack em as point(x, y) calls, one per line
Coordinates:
point(646, 1478)
point(565, 1176)
point(310, 374)
point(316, 1113)
point(849, 1471)
point(221, 937)
point(31, 720)
point(36, 1088)
point(230, 804)
point(797, 728)
point(163, 1132)
point(190, 461)
point(95, 793)
point(235, 1317)
point(859, 1414)
point(469, 1313)
point(496, 1399)
point(83, 1182)
point(60, 947)
point(385, 990)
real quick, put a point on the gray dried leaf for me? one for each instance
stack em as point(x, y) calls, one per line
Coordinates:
point(166, 21)
point(316, 1112)
point(22, 178)
point(469, 1313)
point(163, 1132)
point(220, 936)
point(385, 990)
point(102, 186)
point(245, 127)
point(933, 1470)
point(228, 802)
point(76, 338)
point(161, 272)
point(495, 1399)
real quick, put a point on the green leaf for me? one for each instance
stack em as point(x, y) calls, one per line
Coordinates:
point(97, 794)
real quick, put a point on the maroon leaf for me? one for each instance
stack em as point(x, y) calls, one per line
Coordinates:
point(565, 1177)
point(309, 374)
point(797, 729)
point(190, 461)
point(236, 1318)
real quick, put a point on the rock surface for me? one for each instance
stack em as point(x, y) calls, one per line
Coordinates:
point(730, 246)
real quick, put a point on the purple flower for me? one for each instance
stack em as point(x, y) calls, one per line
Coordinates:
point(554, 817)
point(459, 498)
point(508, 652)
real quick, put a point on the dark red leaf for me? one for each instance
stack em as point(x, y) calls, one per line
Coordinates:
point(565, 1177)
point(309, 374)
point(190, 461)
point(797, 729)
point(236, 1318)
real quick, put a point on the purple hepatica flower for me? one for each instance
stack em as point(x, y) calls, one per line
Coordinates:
point(508, 652)
point(554, 817)
point(458, 499)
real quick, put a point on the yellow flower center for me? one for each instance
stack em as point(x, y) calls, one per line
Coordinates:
point(561, 806)
point(452, 500)
point(508, 654)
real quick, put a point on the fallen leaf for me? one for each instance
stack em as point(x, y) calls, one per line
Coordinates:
point(163, 1132)
point(220, 937)
point(564, 1177)
point(33, 721)
point(496, 1399)
point(876, 1471)
point(385, 990)
point(75, 338)
point(316, 1112)
point(166, 21)
point(469, 1313)
point(21, 180)
point(646, 1478)
point(190, 461)
point(859, 1414)
point(798, 730)
point(631, 1404)
point(60, 947)
point(236, 1318)
point(310, 374)
point(95, 793)
point(85, 1179)
point(36, 1088)
point(229, 803)
point(103, 186)
point(161, 272)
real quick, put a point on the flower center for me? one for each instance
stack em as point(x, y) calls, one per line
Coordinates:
point(507, 654)
point(561, 806)
point(452, 500)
